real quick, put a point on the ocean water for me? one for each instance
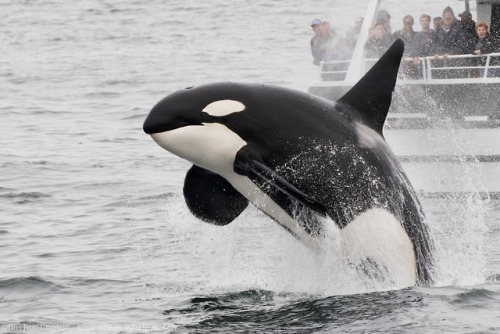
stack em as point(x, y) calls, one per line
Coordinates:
point(94, 232)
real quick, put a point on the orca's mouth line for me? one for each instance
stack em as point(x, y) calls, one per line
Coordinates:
point(180, 123)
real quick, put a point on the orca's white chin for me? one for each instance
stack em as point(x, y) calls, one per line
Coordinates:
point(211, 146)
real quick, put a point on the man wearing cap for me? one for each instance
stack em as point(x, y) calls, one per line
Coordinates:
point(467, 36)
point(466, 17)
point(316, 41)
point(467, 39)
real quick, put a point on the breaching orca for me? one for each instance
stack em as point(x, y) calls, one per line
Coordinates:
point(301, 160)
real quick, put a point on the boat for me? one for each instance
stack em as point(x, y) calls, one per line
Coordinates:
point(445, 129)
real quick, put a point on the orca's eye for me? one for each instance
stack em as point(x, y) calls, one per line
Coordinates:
point(189, 87)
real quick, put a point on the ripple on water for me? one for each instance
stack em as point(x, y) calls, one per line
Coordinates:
point(474, 297)
point(261, 309)
point(29, 286)
point(24, 197)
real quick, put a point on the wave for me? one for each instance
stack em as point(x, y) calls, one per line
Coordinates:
point(130, 201)
point(141, 115)
point(102, 94)
point(34, 194)
point(25, 197)
point(386, 311)
point(474, 296)
point(80, 281)
point(26, 284)
point(260, 310)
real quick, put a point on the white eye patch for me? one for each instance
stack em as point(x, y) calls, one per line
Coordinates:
point(224, 107)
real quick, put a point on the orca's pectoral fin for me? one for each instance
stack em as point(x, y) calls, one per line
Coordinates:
point(212, 198)
point(250, 165)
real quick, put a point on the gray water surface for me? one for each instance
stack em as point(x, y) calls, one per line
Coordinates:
point(94, 232)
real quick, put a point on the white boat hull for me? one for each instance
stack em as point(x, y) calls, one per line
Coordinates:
point(449, 161)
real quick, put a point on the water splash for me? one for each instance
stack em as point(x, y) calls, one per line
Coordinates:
point(252, 253)
point(459, 232)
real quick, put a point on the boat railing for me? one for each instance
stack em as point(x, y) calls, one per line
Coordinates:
point(425, 69)
point(465, 66)
point(334, 70)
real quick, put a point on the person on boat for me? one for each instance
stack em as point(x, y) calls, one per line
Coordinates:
point(406, 33)
point(437, 23)
point(316, 41)
point(447, 36)
point(424, 40)
point(384, 18)
point(485, 44)
point(467, 39)
point(452, 39)
point(423, 43)
point(467, 35)
point(378, 41)
point(331, 46)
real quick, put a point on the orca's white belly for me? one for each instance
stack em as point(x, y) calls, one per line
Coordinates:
point(376, 243)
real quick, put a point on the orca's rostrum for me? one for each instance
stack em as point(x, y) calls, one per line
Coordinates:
point(301, 160)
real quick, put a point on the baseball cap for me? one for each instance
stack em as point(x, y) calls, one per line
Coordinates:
point(465, 14)
point(315, 22)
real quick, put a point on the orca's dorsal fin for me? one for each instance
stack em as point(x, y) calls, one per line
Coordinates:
point(371, 96)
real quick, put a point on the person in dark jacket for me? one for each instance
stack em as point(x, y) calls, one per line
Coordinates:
point(437, 23)
point(423, 43)
point(485, 44)
point(452, 40)
point(333, 45)
point(316, 41)
point(448, 35)
point(467, 36)
point(406, 33)
point(378, 41)
point(384, 18)
point(467, 39)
